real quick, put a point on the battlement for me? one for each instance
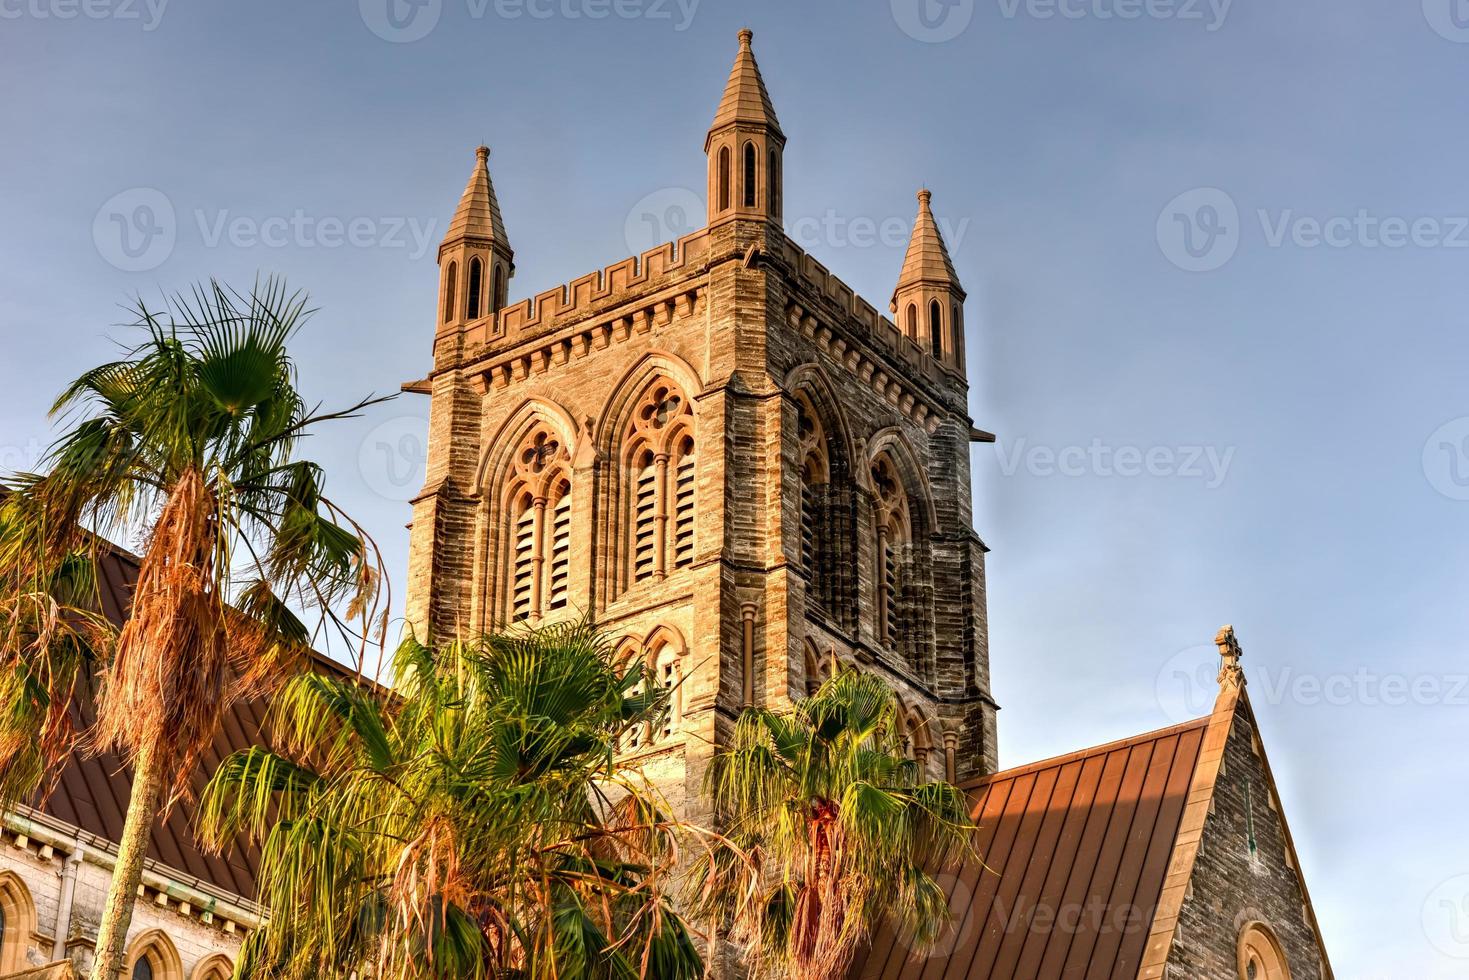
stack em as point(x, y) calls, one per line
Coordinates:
point(860, 317)
point(588, 295)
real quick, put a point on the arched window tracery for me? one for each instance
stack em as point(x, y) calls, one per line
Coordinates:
point(537, 567)
point(894, 534)
point(815, 457)
point(662, 655)
point(660, 452)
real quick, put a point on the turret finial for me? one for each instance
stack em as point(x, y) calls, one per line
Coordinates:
point(746, 36)
point(1229, 655)
point(483, 153)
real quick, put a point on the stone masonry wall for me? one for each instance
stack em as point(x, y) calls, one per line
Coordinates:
point(195, 940)
point(1232, 886)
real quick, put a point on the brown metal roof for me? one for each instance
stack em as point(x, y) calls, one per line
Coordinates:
point(92, 793)
point(1073, 855)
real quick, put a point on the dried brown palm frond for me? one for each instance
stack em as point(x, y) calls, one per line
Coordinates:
point(188, 441)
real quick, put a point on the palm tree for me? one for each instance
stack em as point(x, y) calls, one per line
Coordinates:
point(187, 442)
point(827, 828)
point(476, 821)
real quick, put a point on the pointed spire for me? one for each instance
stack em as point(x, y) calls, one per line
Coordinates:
point(745, 98)
point(478, 214)
point(927, 260)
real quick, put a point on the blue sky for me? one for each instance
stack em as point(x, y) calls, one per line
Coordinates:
point(1216, 258)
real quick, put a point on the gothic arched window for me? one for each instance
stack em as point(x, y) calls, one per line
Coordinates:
point(894, 537)
point(818, 668)
point(497, 298)
point(815, 478)
point(152, 956)
point(774, 181)
point(476, 285)
point(911, 324)
point(1261, 956)
point(17, 922)
point(451, 287)
point(662, 657)
point(936, 328)
point(537, 567)
point(749, 181)
point(217, 967)
point(724, 178)
point(661, 463)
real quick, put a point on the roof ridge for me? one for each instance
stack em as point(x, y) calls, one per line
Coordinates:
point(1057, 761)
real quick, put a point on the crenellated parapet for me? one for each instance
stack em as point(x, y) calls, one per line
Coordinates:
point(868, 344)
point(595, 301)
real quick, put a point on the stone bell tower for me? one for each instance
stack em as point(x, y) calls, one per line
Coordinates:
point(737, 467)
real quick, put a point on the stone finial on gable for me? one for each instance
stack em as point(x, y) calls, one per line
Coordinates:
point(1230, 653)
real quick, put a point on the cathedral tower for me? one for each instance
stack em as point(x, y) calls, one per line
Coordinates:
point(722, 455)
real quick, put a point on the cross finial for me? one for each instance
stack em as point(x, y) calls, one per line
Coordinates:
point(1229, 655)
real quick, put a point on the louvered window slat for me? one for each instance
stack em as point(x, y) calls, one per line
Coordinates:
point(524, 564)
point(890, 592)
point(560, 553)
point(644, 518)
point(808, 527)
point(683, 509)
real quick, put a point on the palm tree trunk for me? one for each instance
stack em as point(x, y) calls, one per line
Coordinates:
point(127, 875)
